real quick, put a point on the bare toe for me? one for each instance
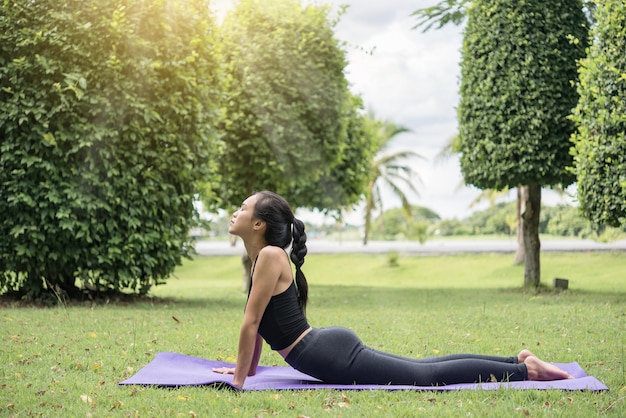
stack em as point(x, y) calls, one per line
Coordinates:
point(540, 370)
point(523, 355)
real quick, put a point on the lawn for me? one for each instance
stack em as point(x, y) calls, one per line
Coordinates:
point(67, 361)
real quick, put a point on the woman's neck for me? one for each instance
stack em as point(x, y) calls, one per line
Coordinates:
point(253, 248)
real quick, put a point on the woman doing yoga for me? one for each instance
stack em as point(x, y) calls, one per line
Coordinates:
point(275, 312)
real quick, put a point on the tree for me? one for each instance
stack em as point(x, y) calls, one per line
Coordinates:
point(455, 12)
point(289, 123)
point(600, 141)
point(389, 168)
point(518, 65)
point(104, 133)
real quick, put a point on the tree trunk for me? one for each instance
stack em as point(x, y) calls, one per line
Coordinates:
point(531, 203)
point(368, 222)
point(366, 231)
point(520, 254)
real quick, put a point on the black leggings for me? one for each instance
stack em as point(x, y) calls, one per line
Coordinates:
point(337, 355)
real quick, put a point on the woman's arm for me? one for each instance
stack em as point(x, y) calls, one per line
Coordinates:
point(245, 354)
point(256, 356)
point(255, 360)
point(267, 271)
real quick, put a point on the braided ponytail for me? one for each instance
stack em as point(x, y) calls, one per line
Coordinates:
point(298, 252)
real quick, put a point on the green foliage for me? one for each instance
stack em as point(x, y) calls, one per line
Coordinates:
point(343, 183)
point(455, 12)
point(453, 227)
point(287, 108)
point(104, 132)
point(397, 224)
point(560, 221)
point(518, 64)
point(392, 259)
point(491, 221)
point(444, 12)
point(566, 221)
point(600, 142)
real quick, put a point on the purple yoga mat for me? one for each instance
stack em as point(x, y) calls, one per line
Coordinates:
point(173, 369)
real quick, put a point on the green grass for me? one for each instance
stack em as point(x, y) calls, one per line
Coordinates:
point(66, 361)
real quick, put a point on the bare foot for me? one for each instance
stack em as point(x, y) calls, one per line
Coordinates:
point(523, 355)
point(540, 370)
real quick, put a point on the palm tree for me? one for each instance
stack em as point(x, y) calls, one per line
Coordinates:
point(390, 168)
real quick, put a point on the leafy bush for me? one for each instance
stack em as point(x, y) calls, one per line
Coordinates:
point(566, 221)
point(395, 224)
point(104, 132)
point(559, 220)
point(518, 64)
point(600, 151)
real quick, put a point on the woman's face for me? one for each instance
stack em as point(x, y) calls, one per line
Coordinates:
point(243, 219)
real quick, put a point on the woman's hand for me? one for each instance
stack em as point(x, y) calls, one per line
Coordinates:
point(224, 370)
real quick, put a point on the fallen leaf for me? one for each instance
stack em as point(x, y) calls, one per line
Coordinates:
point(117, 404)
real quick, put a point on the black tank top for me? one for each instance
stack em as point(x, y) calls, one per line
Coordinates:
point(283, 320)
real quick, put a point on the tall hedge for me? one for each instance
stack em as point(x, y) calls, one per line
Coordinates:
point(518, 69)
point(104, 133)
point(518, 64)
point(600, 141)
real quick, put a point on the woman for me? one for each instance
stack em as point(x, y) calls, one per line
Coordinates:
point(275, 312)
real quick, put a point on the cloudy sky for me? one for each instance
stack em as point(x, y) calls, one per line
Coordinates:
point(410, 78)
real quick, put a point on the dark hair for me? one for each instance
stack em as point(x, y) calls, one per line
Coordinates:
point(283, 229)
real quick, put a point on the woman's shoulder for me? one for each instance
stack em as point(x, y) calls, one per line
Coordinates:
point(273, 258)
point(272, 251)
